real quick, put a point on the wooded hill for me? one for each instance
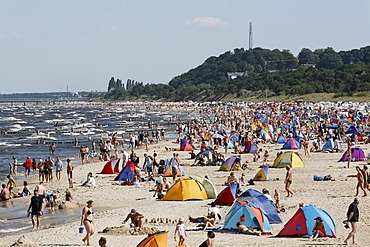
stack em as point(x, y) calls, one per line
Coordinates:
point(235, 73)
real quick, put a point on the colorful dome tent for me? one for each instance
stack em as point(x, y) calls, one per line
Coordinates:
point(210, 188)
point(265, 134)
point(250, 147)
point(185, 145)
point(227, 196)
point(247, 214)
point(281, 139)
point(329, 145)
point(291, 143)
point(303, 221)
point(288, 158)
point(262, 174)
point(127, 173)
point(352, 130)
point(261, 201)
point(231, 164)
point(168, 170)
point(111, 167)
point(185, 188)
point(357, 154)
point(158, 239)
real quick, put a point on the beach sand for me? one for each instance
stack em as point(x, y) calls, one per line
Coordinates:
point(113, 202)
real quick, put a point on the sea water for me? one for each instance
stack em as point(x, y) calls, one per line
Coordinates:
point(28, 129)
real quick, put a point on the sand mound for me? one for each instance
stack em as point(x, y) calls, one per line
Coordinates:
point(25, 242)
point(68, 205)
point(123, 230)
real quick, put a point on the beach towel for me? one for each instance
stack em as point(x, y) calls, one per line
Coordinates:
point(215, 228)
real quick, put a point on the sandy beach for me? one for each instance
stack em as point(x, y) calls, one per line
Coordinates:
point(113, 202)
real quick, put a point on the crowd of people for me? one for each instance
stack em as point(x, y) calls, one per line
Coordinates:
point(231, 128)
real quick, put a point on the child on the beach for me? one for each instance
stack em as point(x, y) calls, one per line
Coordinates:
point(180, 231)
point(243, 179)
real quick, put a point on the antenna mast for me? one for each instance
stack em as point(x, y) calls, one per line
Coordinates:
point(250, 36)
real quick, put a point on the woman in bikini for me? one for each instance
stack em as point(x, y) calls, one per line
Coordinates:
point(86, 220)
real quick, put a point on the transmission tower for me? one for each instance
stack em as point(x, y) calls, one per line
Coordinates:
point(250, 36)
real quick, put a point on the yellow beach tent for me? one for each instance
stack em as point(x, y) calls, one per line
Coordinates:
point(158, 239)
point(288, 158)
point(262, 174)
point(186, 188)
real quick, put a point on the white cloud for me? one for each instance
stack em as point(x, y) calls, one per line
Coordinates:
point(206, 22)
point(112, 29)
point(11, 36)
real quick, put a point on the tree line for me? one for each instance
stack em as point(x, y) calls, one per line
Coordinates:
point(279, 72)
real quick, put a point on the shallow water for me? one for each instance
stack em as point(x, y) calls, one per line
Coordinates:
point(62, 123)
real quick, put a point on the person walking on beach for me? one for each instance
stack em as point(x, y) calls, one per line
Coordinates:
point(288, 180)
point(70, 168)
point(87, 221)
point(27, 167)
point(353, 215)
point(360, 181)
point(180, 232)
point(36, 206)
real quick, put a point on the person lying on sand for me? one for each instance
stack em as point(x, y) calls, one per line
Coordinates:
point(246, 230)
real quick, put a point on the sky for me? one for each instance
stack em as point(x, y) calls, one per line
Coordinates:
point(49, 45)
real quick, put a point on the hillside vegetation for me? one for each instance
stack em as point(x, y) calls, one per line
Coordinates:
point(261, 73)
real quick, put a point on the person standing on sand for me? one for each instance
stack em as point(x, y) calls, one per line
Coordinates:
point(36, 206)
point(353, 215)
point(288, 180)
point(348, 152)
point(86, 220)
point(70, 168)
point(58, 167)
point(366, 175)
point(15, 164)
point(41, 167)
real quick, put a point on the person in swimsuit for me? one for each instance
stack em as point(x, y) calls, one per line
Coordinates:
point(5, 193)
point(209, 242)
point(288, 180)
point(136, 219)
point(87, 221)
point(70, 168)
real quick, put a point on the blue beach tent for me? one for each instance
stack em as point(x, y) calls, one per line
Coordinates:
point(263, 202)
point(247, 214)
